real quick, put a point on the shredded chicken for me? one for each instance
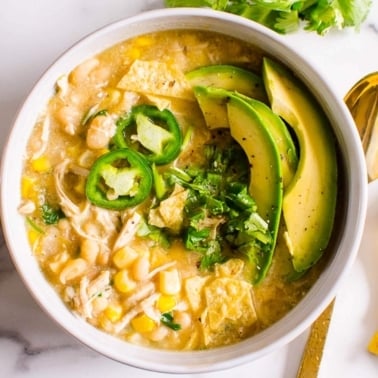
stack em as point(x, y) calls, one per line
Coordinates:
point(100, 132)
point(99, 285)
point(26, 207)
point(104, 223)
point(78, 170)
point(62, 86)
point(85, 307)
point(70, 209)
point(141, 307)
point(128, 231)
point(89, 290)
point(159, 269)
point(140, 293)
point(43, 139)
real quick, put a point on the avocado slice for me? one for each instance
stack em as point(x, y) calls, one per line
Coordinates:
point(213, 104)
point(249, 130)
point(228, 77)
point(281, 136)
point(309, 203)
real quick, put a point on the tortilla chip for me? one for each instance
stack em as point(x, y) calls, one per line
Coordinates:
point(170, 212)
point(194, 292)
point(227, 300)
point(231, 268)
point(230, 313)
point(156, 78)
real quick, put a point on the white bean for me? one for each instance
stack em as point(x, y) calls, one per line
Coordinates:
point(140, 268)
point(27, 207)
point(169, 282)
point(100, 131)
point(99, 304)
point(184, 319)
point(68, 117)
point(100, 76)
point(81, 73)
point(89, 250)
point(159, 333)
point(73, 270)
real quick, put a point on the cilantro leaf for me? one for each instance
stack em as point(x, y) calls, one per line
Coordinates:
point(50, 214)
point(168, 321)
point(221, 217)
point(286, 16)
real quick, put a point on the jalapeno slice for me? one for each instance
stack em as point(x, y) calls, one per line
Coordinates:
point(153, 132)
point(119, 179)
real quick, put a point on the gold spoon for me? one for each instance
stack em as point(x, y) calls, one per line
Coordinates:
point(362, 101)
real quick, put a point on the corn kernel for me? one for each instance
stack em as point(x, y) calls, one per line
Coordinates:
point(33, 236)
point(134, 53)
point(123, 283)
point(144, 41)
point(169, 282)
point(113, 312)
point(41, 164)
point(143, 323)
point(124, 257)
point(373, 344)
point(104, 322)
point(27, 187)
point(166, 303)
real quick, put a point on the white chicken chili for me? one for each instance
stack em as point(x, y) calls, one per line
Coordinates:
point(141, 215)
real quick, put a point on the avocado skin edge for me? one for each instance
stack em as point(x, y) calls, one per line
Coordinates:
point(247, 127)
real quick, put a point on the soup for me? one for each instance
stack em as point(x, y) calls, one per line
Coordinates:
point(133, 204)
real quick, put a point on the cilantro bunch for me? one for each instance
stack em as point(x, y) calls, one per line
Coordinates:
point(286, 16)
point(221, 217)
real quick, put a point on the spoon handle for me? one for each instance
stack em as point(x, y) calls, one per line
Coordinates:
point(313, 352)
point(362, 102)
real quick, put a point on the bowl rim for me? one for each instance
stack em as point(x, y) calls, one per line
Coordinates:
point(280, 333)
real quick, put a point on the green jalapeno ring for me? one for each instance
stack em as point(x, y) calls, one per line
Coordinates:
point(119, 167)
point(160, 126)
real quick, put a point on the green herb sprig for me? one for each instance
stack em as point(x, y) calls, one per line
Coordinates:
point(287, 16)
point(168, 321)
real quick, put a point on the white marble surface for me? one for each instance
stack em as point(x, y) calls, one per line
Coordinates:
point(32, 35)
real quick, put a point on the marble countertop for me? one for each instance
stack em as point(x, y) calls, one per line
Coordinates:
point(32, 35)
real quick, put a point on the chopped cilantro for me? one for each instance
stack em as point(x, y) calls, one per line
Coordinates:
point(168, 321)
point(220, 214)
point(50, 214)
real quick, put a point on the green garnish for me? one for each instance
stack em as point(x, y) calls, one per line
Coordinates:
point(153, 233)
point(168, 321)
point(286, 16)
point(221, 217)
point(50, 214)
point(34, 226)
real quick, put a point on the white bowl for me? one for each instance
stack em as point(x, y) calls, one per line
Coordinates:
point(281, 332)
